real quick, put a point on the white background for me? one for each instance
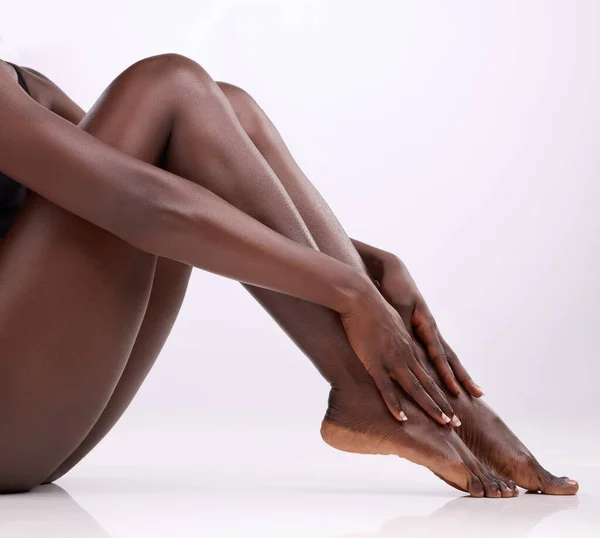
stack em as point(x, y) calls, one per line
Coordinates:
point(462, 136)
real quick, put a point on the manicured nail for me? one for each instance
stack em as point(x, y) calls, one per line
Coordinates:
point(445, 418)
point(455, 421)
point(403, 416)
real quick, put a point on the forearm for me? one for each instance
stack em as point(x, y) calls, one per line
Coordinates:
point(199, 228)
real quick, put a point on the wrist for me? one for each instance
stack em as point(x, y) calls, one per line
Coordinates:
point(355, 290)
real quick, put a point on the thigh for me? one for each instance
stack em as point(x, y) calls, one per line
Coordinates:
point(72, 298)
point(168, 291)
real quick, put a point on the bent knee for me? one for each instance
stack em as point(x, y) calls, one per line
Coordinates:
point(249, 114)
point(171, 70)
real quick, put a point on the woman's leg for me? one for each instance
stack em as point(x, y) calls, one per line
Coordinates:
point(208, 145)
point(72, 298)
point(483, 431)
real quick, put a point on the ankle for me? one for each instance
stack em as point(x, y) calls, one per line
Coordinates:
point(348, 374)
point(354, 402)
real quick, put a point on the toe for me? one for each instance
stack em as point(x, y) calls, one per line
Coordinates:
point(513, 487)
point(553, 485)
point(505, 491)
point(492, 489)
point(533, 477)
point(490, 483)
point(475, 487)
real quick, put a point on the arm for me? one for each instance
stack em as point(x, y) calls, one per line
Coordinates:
point(376, 260)
point(157, 211)
point(399, 289)
point(164, 214)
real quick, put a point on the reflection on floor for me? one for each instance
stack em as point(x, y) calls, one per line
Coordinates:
point(138, 508)
point(213, 491)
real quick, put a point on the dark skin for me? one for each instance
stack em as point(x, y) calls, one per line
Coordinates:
point(126, 204)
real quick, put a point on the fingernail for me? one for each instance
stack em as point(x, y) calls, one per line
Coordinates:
point(403, 416)
point(572, 482)
point(480, 390)
point(445, 418)
point(455, 421)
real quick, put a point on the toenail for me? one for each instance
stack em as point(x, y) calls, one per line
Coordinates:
point(445, 418)
point(455, 421)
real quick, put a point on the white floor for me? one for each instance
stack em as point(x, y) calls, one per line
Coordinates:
point(278, 481)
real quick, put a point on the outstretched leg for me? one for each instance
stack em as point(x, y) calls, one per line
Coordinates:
point(483, 431)
point(208, 145)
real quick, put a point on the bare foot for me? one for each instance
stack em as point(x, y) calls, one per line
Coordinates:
point(496, 446)
point(494, 443)
point(358, 421)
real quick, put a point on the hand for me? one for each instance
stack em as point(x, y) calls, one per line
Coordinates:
point(382, 343)
point(400, 290)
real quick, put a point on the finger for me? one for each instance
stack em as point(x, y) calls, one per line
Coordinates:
point(459, 370)
point(388, 392)
point(413, 387)
point(435, 393)
point(428, 334)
